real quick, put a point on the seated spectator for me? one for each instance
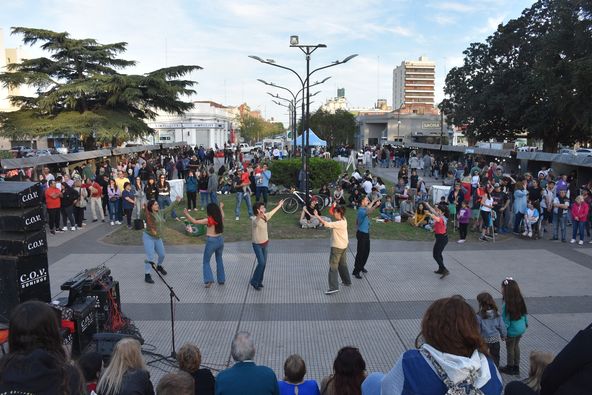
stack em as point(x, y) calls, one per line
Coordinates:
point(126, 372)
point(401, 192)
point(349, 371)
point(189, 358)
point(406, 210)
point(387, 210)
point(532, 385)
point(245, 377)
point(307, 216)
point(37, 362)
point(420, 218)
point(180, 383)
point(375, 195)
point(453, 357)
point(338, 196)
point(91, 365)
point(355, 199)
point(294, 383)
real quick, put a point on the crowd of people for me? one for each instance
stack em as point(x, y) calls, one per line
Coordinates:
point(457, 351)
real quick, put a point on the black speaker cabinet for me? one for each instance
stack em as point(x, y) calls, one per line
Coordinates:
point(23, 244)
point(103, 305)
point(23, 278)
point(16, 194)
point(85, 325)
point(22, 220)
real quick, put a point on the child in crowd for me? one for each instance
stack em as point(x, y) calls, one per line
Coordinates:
point(531, 218)
point(91, 365)
point(387, 211)
point(464, 217)
point(532, 385)
point(294, 383)
point(514, 315)
point(491, 325)
point(443, 205)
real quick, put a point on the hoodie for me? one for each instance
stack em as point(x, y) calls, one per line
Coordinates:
point(414, 374)
point(492, 327)
point(36, 373)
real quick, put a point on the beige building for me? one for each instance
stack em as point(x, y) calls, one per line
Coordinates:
point(414, 83)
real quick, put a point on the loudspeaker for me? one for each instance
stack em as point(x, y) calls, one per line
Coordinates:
point(23, 278)
point(22, 220)
point(102, 297)
point(16, 194)
point(23, 244)
point(84, 317)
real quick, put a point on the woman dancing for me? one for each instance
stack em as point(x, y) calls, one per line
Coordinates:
point(214, 242)
point(441, 238)
point(260, 240)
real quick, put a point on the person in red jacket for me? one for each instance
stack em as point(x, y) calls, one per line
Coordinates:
point(53, 202)
point(440, 221)
point(579, 214)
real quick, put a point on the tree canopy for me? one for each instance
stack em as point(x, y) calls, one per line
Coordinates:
point(254, 128)
point(338, 128)
point(79, 91)
point(533, 76)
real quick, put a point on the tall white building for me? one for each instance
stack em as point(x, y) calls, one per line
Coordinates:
point(336, 103)
point(414, 83)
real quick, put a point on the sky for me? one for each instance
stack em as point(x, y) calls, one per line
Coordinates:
point(220, 35)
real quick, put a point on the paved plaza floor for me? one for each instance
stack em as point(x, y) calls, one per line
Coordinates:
point(380, 314)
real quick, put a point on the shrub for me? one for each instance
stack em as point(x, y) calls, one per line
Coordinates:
point(322, 171)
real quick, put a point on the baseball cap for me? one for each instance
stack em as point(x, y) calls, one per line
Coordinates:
point(496, 185)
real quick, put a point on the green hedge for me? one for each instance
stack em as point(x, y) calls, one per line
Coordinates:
point(322, 171)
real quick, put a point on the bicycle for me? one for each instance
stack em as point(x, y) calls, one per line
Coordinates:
point(297, 200)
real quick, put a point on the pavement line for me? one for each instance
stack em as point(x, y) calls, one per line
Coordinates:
point(380, 303)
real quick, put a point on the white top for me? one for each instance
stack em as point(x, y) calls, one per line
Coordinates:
point(339, 236)
point(488, 202)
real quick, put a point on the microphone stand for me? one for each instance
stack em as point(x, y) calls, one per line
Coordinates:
point(172, 295)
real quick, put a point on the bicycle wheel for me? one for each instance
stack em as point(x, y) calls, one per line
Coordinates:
point(290, 205)
point(320, 202)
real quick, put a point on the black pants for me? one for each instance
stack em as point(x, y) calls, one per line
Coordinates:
point(362, 251)
point(191, 200)
point(463, 230)
point(54, 218)
point(259, 191)
point(79, 215)
point(105, 205)
point(68, 214)
point(128, 216)
point(441, 241)
point(494, 351)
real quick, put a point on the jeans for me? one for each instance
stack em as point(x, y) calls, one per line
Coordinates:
point(261, 254)
point(191, 200)
point(578, 227)
point(163, 201)
point(517, 219)
point(513, 350)
point(213, 197)
point(113, 209)
point(362, 251)
point(204, 198)
point(239, 198)
point(261, 191)
point(68, 214)
point(152, 245)
point(213, 245)
point(338, 264)
point(79, 215)
point(441, 241)
point(559, 220)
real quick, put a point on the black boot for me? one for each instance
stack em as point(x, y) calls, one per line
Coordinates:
point(508, 369)
point(515, 370)
point(161, 270)
point(148, 279)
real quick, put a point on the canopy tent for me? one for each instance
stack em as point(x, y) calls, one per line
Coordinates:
point(313, 139)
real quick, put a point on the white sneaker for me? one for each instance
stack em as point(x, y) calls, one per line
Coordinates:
point(112, 223)
point(572, 241)
point(461, 241)
point(331, 291)
point(117, 223)
point(73, 228)
point(65, 228)
point(525, 233)
point(581, 242)
point(237, 218)
point(529, 234)
point(590, 242)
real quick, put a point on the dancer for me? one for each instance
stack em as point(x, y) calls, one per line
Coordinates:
point(261, 240)
point(339, 243)
point(441, 238)
point(152, 239)
point(363, 235)
point(214, 242)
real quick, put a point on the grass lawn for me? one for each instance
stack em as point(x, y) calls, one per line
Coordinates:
point(281, 226)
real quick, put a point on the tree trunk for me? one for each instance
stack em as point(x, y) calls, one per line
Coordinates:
point(549, 144)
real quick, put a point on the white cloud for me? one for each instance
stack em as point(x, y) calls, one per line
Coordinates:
point(444, 19)
point(454, 6)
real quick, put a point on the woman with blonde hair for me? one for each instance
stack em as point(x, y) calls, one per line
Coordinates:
point(539, 361)
point(126, 373)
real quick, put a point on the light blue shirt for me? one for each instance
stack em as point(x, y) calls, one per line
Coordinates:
point(363, 222)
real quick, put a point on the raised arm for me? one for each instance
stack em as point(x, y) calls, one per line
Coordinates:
point(272, 212)
point(372, 206)
point(203, 221)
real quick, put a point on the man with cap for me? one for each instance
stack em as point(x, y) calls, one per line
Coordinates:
point(238, 183)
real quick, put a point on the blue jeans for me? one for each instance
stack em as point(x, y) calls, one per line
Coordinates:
point(261, 254)
point(203, 199)
point(213, 245)
point(113, 210)
point(262, 191)
point(559, 220)
point(163, 201)
point(213, 197)
point(240, 196)
point(517, 219)
point(578, 227)
point(152, 245)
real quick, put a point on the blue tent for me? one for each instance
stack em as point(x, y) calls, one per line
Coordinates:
point(313, 140)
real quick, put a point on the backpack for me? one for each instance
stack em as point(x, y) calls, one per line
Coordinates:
point(465, 387)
